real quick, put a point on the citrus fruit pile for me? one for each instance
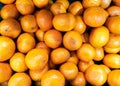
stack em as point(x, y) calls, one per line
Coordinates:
point(60, 43)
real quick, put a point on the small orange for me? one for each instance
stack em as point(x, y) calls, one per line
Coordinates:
point(7, 1)
point(116, 2)
point(107, 69)
point(39, 35)
point(25, 42)
point(36, 59)
point(53, 78)
point(40, 3)
point(111, 50)
point(64, 2)
point(69, 70)
point(86, 52)
point(72, 40)
point(7, 48)
point(53, 38)
point(5, 72)
point(17, 62)
point(114, 10)
point(59, 55)
point(105, 3)
point(20, 79)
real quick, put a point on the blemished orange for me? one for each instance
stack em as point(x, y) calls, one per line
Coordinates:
point(17, 62)
point(76, 8)
point(79, 80)
point(40, 35)
point(44, 19)
point(72, 40)
point(64, 22)
point(40, 3)
point(36, 75)
point(36, 59)
point(114, 10)
point(53, 38)
point(9, 11)
point(53, 78)
point(107, 69)
point(5, 72)
point(64, 2)
point(97, 14)
point(7, 1)
point(69, 70)
point(59, 55)
point(96, 75)
point(112, 60)
point(116, 2)
point(25, 7)
point(29, 23)
point(20, 79)
point(7, 48)
point(114, 78)
point(105, 3)
point(25, 42)
point(86, 52)
point(10, 27)
point(99, 36)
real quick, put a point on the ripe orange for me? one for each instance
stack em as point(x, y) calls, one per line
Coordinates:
point(107, 69)
point(40, 3)
point(105, 3)
point(7, 48)
point(39, 35)
point(19, 79)
point(64, 2)
point(5, 72)
point(7, 1)
point(53, 78)
point(114, 10)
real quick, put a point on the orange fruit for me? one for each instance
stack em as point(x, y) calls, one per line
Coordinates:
point(25, 42)
point(113, 78)
point(64, 22)
point(59, 55)
point(86, 52)
point(53, 38)
point(113, 24)
point(28, 23)
point(99, 36)
point(44, 19)
point(107, 69)
point(36, 59)
point(79, 80)
point(53, 78)
point(111, 50)
point(39, 35)
point(69, 70)
point(80, 25)
point(64, 2)
point(40, 3)
point(72, 40)
point(25, 7)
point(17, 62)
point(7, 48)
point(75, 8)
point(112, 60)
point(37, 74)
point(116, 2)
point(96, 75)
point(105, 3)
point(5, 72)
point(7, 1)
point(97, 14)
point(19, 79)
point(9, 11)
point(114, 10)
point(10, 27)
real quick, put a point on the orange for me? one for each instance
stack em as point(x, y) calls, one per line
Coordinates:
point(72, 40)
point(10, 27)
point(17, 62)
point(86, 52)
point(37, 74)
point(96, 75)
point(44, 19)
point(111, 50)
point(99, 36)
point(25, 7)
point(28, 23)
point(95, 16)
point(79, 80)
point(107, 69)
point(59, 55)
point(5, 72)
point(7, 48)
point(36, 59)
point(69, 70)
point(64, 2)
point(114, 78)
point(19, 79)
point(39, 35)
point(105, 3)
point(25, 42)
point(113, 24)
point(7, 1)
point(116, 2)
point(75, 8)
point(40, 3)
point(53, 38)
point(114, 10)
point(112, 60)
point(64, 22)
point(80, 25)
point(9, 11)
point(53, 78)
